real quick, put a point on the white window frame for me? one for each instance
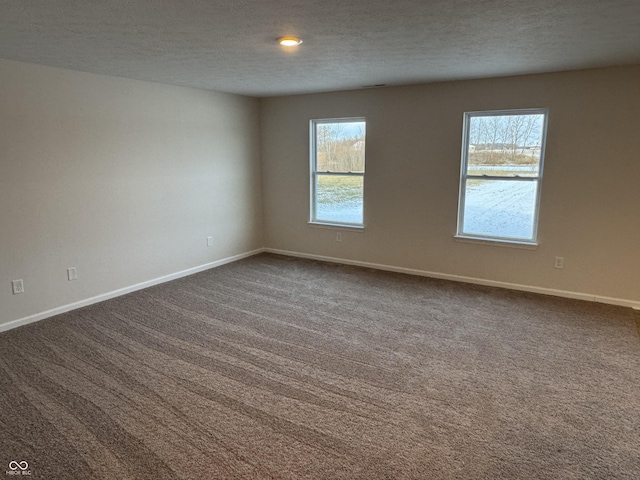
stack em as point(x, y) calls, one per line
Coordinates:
point(315, 173)
point(464, 176)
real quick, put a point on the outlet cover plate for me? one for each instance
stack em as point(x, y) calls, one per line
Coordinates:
point(18, 286)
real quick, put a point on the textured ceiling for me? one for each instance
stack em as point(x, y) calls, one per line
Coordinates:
point(229, 45)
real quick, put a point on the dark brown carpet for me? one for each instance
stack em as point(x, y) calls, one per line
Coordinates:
point(280, 368)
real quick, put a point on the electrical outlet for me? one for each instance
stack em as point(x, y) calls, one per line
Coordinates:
point(209, 241)
point(559, 262)
point(72, 274)
point(338, 236)
point(18, 286)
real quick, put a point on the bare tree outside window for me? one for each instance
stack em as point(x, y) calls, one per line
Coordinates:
point(340, 147)
point(505, 140)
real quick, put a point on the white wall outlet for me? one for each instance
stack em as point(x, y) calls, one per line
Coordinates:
point(18, 286)
point(559, 262)
point(72, 274)
point(338, 236)
point(209, 241)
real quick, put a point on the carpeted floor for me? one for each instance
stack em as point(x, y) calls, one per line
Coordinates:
point(281, 368)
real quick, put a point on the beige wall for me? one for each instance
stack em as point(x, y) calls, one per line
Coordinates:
point(590, 205)
point(123, 180)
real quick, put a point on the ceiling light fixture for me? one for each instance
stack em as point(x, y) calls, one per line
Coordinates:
point(289, 41)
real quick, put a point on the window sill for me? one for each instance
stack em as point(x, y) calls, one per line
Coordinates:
point(496, 242)
point(334, 226)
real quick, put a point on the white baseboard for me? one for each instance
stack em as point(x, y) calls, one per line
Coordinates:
point(123, 291)
point(456, 278)
point(459, 278)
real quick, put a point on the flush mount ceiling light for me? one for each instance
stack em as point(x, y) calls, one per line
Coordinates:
point(289, 41)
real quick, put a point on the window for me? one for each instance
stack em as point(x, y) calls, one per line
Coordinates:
point(337, 171)
point(502, 158)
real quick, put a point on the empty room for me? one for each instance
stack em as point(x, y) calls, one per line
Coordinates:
point(320, 240)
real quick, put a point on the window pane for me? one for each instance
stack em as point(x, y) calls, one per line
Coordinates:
point(340, 147)
point(505, 145)
point(339, 198)
point(500, 208)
